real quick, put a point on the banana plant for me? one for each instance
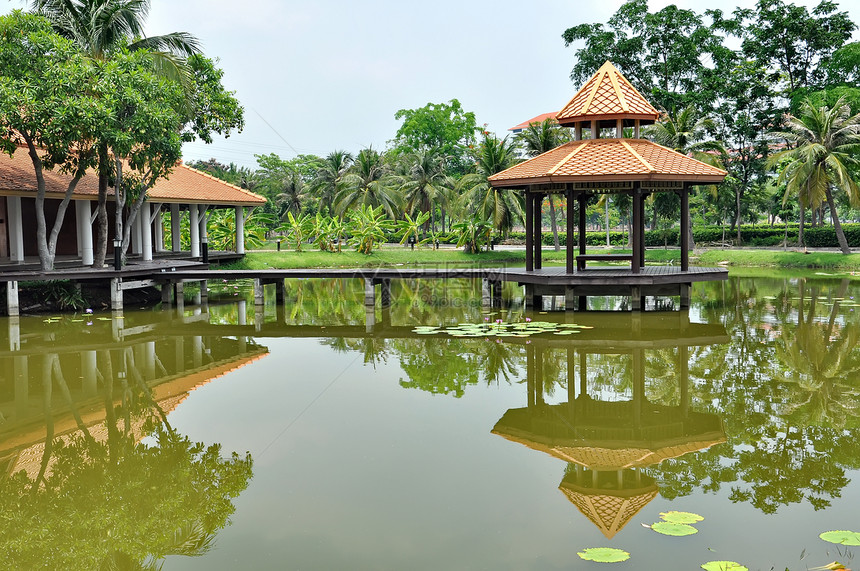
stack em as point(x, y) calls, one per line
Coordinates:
point(411, 227)
point(297, 228)
point(366, 227)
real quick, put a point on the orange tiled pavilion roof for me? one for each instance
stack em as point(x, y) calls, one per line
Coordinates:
point(607, 95)
point(608, 160)
point(539, 119)
point(185, 185)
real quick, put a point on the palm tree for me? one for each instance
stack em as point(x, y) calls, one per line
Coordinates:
point(826, 145)
point(368, 183)
point(537, 139)
point(329, 179)
point(686, 131)
point(500, 205)
point(291, 193)
point(427, 184)
point(100, 28)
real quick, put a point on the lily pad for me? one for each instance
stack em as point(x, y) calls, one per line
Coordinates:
point(681, 517)
point(723, 566)
point(673, 529)
point(841, 537)
point(604, 554)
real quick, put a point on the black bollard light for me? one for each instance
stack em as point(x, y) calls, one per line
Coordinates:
point(279, 245)
point(117, 254)
point(205, 246)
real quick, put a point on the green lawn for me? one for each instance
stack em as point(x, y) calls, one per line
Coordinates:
point(395, 256)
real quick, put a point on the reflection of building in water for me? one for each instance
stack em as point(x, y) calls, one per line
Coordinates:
point(607, 444)
point(51, 386)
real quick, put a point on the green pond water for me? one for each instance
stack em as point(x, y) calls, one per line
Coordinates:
point(323, 435)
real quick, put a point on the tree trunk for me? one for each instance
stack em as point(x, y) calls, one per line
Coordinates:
point(554, 223)
point(101, 211)
point(800, 243)
point(840, 235)
point(738, 225)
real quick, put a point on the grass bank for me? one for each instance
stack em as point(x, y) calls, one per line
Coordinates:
point(398, 256)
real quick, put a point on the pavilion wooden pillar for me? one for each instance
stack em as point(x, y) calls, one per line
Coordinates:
point(536, 228)
point(642, 197)
point(568, 248)
point(583, 205)
point(685, 228)
point(638, 229)
point(529, 221)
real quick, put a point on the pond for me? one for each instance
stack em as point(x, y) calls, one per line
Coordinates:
point(438, 433)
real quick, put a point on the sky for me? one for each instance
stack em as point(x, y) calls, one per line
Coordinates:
point(329, 74)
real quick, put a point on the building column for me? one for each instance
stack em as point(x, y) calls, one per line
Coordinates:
point(637, 225)
point(195, 230)
point(685, 229)
point(158, 228)
point(135, 235)
point(16, 228)
point(568, 246)
point(145, 229)
point(529, 234)
point(175, 228)
point(536, 228)
point(83, 215)
point(240, 229)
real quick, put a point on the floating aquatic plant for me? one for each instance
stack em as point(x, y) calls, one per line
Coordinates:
point(841, 537)
point(673, 529)
point(723, 566)
point(604, 555)
point(681, 517)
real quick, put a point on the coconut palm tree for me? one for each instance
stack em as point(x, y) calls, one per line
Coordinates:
point(100, 28)
point(368, 183)
point(329, 179)
point(502, 206)
point(826, 145)
point(687, 132)
point(291, 193)
point(537, 139)
point(426, 184)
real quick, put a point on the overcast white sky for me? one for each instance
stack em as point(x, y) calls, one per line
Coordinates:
point(320, 75)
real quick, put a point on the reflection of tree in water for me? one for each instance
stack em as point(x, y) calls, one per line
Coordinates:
point(122, 493)
point(787, 389)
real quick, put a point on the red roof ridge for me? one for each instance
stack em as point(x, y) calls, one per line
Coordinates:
point(222, 181)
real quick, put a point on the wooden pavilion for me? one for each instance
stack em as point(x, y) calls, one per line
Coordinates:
point(612, 159)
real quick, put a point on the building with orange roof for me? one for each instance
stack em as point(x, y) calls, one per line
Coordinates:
point(607, 156)
point(525, 124)
point(184, 190)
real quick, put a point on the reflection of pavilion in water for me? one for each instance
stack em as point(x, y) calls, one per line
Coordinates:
point(53, 381)
point(608, 444)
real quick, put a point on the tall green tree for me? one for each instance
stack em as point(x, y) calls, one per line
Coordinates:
point(444, 127)
point(101, 28)
point(368, 183)
point(426, 185)
point(502, 206)
point(48, 104)
point(826, 146)
point(328, 179)
point(536, 139)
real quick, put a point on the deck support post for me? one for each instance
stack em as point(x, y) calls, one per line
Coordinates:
point(529, 233)
point(685, 228)
point(166, 288)
point(259, 293)
point(280, 292)
point(369, 292)
point(536, 228)
point(12, 305)
point(369, 318)
point(15, 334)
point(685, 296)
point(179, 294)
point(569, 298)
point(582, 304)
point(117, 324)
point(530, 375)
point(496, 293)
point(636, 298)
point(568, 246)
point(684, 380)
point(116, 294)
point(486, 293)
point(204, 291)
point(385, 293)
